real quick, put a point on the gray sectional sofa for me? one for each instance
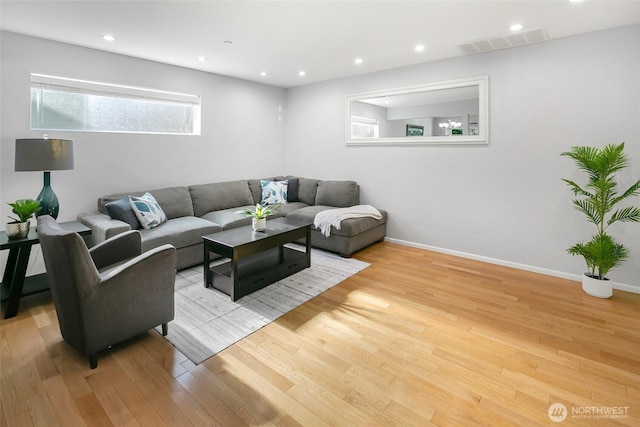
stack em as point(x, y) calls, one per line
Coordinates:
point(197, 210)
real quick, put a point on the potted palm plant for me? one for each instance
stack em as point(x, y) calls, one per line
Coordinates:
point(259, 215)
point(18, 228)
point(597, 200)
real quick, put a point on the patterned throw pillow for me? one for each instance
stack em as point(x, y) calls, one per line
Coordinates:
point(292, 189)
point(148, 211)
point(274, 192)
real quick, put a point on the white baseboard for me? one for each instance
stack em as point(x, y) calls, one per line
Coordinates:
point(569, 276)
point(625, 287)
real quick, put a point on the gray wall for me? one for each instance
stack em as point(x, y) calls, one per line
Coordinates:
point(241, 136)
point(504, 201)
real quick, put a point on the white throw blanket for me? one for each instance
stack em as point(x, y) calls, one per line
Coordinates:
point(325, 219)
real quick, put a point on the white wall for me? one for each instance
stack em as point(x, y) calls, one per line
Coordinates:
point(504, 201)
point(241, 136)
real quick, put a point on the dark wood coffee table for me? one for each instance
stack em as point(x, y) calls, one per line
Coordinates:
point(256, 258)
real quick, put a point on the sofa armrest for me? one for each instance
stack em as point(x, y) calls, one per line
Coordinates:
point(102, 226)
point(130, 298)
point(153, 265)
point(121, 247)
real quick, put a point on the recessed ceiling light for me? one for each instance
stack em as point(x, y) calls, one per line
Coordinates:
point(263, 74)
point(516, 27)
point(108, 38)
point(419, 48)
point(358, 61)
point(203, 58)
point(575, 1)
point(302, 73)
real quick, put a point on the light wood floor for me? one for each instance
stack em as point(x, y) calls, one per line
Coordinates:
point(419, 338)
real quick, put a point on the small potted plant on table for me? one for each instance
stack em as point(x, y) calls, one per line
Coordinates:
point(597, 199)
point(259, 215)
point(18, 228)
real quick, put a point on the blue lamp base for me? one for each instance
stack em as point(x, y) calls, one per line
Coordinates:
point(48, 200)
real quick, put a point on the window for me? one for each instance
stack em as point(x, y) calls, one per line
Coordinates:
point(364, 127)
point(77, 105)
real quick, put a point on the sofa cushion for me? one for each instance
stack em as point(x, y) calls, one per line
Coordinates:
point(179, 232)
point(220, 195)
point(340, 194)
point(148, 211)
point(290, 207)
point(229, 218)
point(274, 192)
point(256, 190)
point(121, 209)
point(307, 189)
point(348, 227)
point(174, 201)
point(305, 215)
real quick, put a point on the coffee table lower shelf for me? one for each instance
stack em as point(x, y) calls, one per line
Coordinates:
point(257, 271)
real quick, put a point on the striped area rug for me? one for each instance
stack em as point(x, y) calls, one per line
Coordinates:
point(207, 321)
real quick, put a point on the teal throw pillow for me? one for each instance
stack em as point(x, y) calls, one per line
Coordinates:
point(274, 192)
point(148, 211)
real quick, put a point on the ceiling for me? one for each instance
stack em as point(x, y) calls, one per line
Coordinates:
point(280, 38)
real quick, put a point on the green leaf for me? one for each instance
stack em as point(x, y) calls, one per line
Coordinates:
point(631, 191)
point(628, 214)
point(590, 209)
point(577, 189)
point(24, 208)
point(260, 212)
point(597, 200)
point(601, 253)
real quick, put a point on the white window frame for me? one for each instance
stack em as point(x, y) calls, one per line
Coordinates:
point(86, 87)
point(365, 121)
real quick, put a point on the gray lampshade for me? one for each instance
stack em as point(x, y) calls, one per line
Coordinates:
point(42, 154)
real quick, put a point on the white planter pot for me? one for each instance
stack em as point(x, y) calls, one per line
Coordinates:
point(18, 230)
point(259, 224)
point(596, 287)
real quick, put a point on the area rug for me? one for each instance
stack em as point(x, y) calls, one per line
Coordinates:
point(207, 321)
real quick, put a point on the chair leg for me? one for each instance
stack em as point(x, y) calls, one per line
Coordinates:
point(93, 361)
point(165, 329)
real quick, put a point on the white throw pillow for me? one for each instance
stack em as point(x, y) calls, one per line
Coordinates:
point(148, 211)
point(274, 192)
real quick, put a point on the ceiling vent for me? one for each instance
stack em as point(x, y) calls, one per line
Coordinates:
point(508, 40)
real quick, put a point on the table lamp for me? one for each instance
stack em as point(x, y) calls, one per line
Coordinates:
point(44, 154)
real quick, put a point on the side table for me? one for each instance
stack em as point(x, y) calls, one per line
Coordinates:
point(14, 278)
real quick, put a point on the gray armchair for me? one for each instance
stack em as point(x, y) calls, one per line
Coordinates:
point(109, 293)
